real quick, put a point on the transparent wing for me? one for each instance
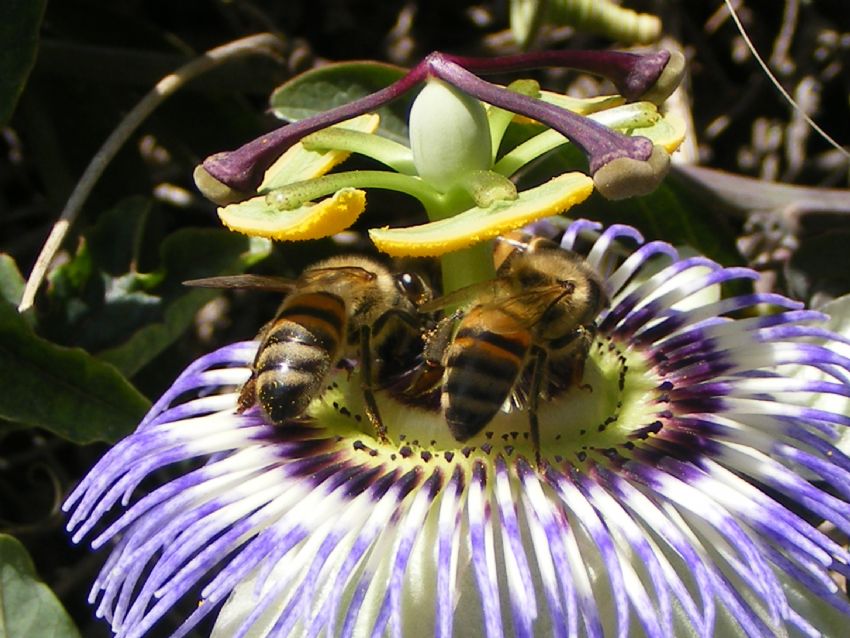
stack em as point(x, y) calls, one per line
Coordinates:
point(480, 292)
point(498, 307)
point(252, 282)
point(528, 307)
point(314, 276)
point(282, 284)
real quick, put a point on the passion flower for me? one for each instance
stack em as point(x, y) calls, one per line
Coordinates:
point(680, 493)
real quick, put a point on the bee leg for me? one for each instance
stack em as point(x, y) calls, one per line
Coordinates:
point(537, 374)
point(411, 321)
point(405, 339)
point(366, 384)
point(247, 395)
point(575, 351)
point(577, 374)
point(431, 370)
point(585, 339)
point(347, 365)
point(437, 340)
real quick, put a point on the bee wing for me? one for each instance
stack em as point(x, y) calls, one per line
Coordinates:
point(480, 290)
point(526, 308)
point(334, 273)
point(254, 282)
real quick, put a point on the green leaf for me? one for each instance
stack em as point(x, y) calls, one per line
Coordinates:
point(116, 239)
point(20, 21)
point(12, 286)
point(97, 298)
point(102, 303)
point(11, 281)
point(186, 254)
point(27, 606)
point(321, 89)
point(64, 390)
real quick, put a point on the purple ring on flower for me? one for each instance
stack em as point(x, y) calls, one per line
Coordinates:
point(688, 508)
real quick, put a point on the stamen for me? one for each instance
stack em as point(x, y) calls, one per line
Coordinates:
point(622, 165)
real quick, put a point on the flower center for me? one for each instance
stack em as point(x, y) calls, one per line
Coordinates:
point(610, 406)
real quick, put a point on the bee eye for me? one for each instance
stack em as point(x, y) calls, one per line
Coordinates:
point(413, 287)
point(529, 278)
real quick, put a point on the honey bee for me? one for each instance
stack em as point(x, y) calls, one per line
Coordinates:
point(528, 330)
point(342, 306)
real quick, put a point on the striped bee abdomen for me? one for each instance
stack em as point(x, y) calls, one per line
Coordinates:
point(482, 367)
point(298, 352)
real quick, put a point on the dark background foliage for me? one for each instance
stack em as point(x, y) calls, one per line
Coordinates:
point(113, 326)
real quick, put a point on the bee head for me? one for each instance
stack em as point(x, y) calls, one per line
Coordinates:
point(571, 293)
point(413, 288)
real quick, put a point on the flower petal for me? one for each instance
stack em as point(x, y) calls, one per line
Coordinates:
point(480, 224)
point(694, 513)
point(312, 221)
point(838, 313)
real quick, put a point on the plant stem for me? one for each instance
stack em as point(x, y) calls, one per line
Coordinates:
point(297, 193)
point(468, 266)
point(397, 156)
point(465, 267)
